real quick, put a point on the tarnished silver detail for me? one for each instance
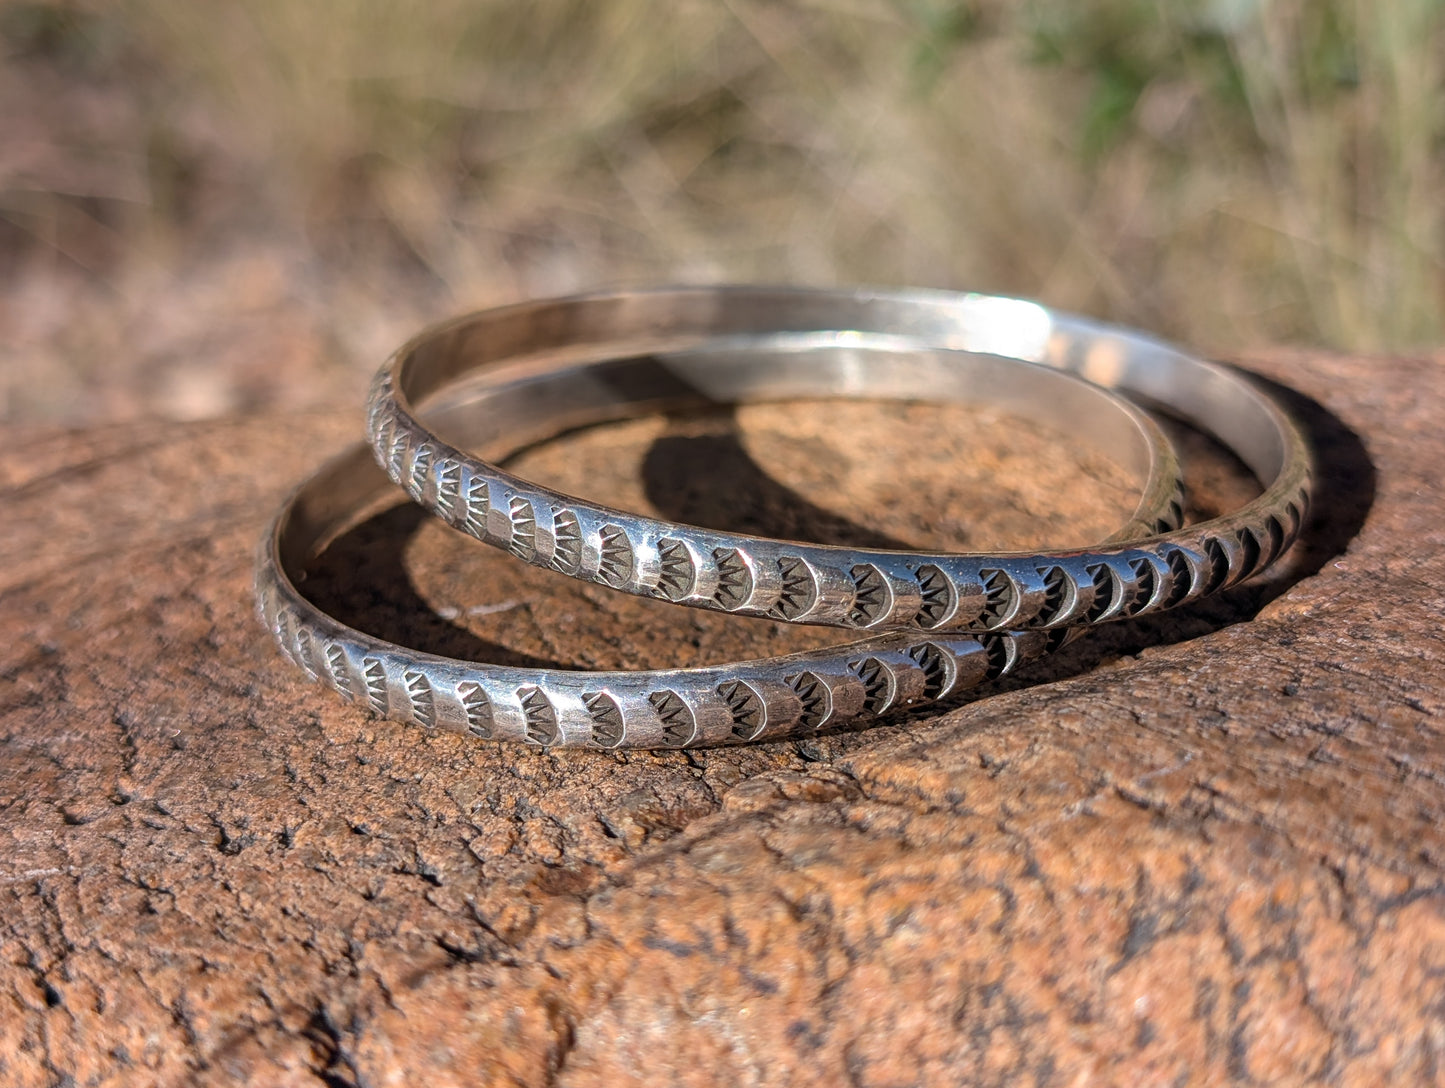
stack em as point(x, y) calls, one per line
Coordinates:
point(523, 540)
point(722, 345)
point(725, 704)
point(778, 697)
point(476, 708)
point(608, 728)
point(677, 572)
point(748, 709)
point(566, 542)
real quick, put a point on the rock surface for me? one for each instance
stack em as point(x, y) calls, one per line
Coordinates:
point(1202, 849)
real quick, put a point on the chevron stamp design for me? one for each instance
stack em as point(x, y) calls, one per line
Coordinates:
point(880, 685)
point(939, 596)
point(375, 405)
point(800, 588)
point(750, 713)
point(1001, 653)
point(679, 726)
point(1000, 593)
point(1056, 593)
point(934, 663)
point(384, 431)
point(1104, 584)
point(396, 455)
point(817, 699)
point(566, 541)
point(1146, 583)
point(423, 703)
point(523, 541)
point(607, 725)
point(449, 489)
point(676, 575)
point(478, 506)
point(421, 459)
point(337, 670)
point(1274, 532)
point(300, 642)
point(734, 579)
point(374, 673)
point(1181, 579)
point(1249, 545)
point(540, 716)
point(1218, 564)
point(614, 565)
point(872, 598)
point(477, 707)
point(281, 627)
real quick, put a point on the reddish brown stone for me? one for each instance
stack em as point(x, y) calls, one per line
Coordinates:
point(1201, 849)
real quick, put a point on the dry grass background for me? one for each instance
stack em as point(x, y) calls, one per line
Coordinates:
point(220, 205)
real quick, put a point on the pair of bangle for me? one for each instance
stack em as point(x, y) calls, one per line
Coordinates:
point(936, 624)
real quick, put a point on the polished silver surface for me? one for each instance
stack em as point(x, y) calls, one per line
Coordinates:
point(738, 343)
point(723, 704)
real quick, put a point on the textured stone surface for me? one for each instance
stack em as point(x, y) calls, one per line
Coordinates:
point(1200, 849)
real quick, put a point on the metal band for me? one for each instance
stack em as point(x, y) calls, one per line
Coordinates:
point(703, 331)
point(725, 704)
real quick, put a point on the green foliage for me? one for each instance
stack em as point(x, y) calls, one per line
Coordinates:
point(1223, 170)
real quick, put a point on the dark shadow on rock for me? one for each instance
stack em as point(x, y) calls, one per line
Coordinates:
point(700, 473)
point(1345, 483)
point(361, 580)
point(711, 480)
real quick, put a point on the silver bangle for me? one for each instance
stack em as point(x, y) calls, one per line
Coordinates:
point(702, 331)
point(730, 703)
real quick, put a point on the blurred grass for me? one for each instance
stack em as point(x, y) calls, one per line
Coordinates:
point(1228, 172)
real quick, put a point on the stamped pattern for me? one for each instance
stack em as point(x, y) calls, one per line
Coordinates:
point(566, 541)
point(1106, 591)
point(1059, 594)
point(523, 541)
point(608, 728)
point(419, 473)
point(880, 685)
point(816, 697)
point(337, 671)
point(734, 579)
point(800, 588)
point(679, 723)
point(768, 699)
point(539, 714)
point(1001, 595)
point(1035, 597)
point(419, 693)
point(1002, 653)
point(374, 672)
point(872, 596)
point(615, 556)
point(1181, 579)
point(1190, 569)
point(939, 593)
point(748, 709)
point(1193, 562)
point(937, 668)
point(449, 489)
point(476, 708)
point(476, 508)
point(677, 573)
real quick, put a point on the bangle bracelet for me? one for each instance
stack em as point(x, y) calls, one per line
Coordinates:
point(731, 703)
point(726, 343)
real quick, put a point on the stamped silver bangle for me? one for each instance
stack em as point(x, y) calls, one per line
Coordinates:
point(723, 704)
point(703, 332)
